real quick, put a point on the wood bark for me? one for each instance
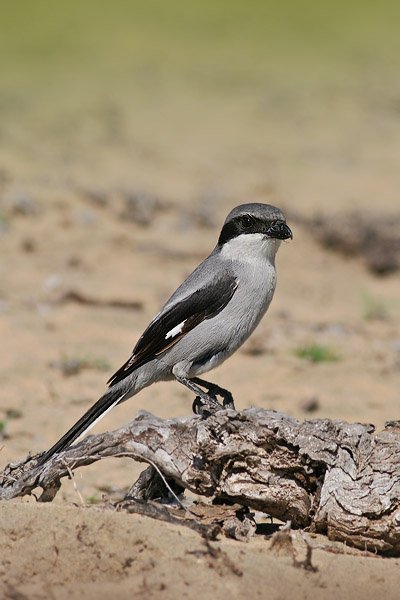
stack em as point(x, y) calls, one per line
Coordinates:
point(331, 477)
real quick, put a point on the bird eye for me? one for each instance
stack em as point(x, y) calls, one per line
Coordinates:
point(246, 221)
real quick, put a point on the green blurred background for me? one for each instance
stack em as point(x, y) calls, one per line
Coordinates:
point(292, 99)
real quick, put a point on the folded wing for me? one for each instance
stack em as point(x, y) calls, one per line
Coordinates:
point(175, 321)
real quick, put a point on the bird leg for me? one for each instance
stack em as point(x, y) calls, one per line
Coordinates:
point(215, 390)
point(204, 404)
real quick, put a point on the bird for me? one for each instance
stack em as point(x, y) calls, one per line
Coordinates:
point(204, 322)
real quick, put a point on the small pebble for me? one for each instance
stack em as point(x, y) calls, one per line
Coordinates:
point(140, 207)
point(23, 204)
point(28, 245)
point(310, 405)
point(52, 282)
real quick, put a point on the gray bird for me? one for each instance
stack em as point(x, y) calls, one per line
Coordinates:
point(205, 321)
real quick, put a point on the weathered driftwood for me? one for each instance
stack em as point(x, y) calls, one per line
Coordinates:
point(329, 476)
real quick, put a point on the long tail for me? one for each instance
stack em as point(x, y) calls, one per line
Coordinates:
point(112, 397)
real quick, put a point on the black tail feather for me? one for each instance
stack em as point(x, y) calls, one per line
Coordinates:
point(112, 396)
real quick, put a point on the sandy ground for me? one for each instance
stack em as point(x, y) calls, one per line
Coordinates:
point(91, 554)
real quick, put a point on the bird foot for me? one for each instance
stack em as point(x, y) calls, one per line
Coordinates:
point(205, 408)
point(215, 390)
point(227, 398)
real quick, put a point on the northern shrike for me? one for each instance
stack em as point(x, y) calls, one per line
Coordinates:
point(205, 321)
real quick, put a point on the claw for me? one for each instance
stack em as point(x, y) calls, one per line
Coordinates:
point(205, 408)
point(197, 405)
point(215, 390)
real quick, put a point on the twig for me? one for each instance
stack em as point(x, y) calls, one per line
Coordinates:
point(169, 488)
point(156, 511)
point(80, 298)
point(72, 477)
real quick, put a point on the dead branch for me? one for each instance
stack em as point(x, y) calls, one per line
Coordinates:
point(329, 476)
point(161, 513)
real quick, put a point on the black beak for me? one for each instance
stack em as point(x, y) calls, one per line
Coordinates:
point(280, 231)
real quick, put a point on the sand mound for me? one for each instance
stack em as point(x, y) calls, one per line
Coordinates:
point(51, 551)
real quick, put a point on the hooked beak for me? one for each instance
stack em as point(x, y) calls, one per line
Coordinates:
point(280, 231)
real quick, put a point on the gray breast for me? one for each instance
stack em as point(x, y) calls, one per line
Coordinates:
point(214, 340)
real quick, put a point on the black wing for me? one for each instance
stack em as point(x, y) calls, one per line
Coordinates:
point(175, 322)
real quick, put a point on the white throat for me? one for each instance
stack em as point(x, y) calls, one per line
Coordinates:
point(251, 247)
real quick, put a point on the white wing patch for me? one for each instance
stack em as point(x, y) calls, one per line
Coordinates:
point(176, 330)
